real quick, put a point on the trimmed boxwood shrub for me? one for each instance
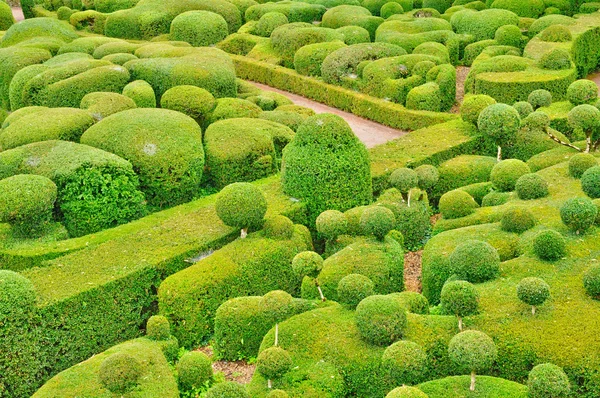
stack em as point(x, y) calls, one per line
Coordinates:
point(404, 362)
point(277, 394)
point(456, 204)
point(505, 174)
point(591, 281)
point(158, 328)
point(288, 39)
point(381, 320)
point(582, 91)
point(354, 34)
point(331, 224)
point(389, 9)
point(473, 105)
point(500, 123)
point(517, 220)
point(547, 380)
point(427, 176)
point(308, 59)
point(579, 214)
point(556, 59)
point(227, 389)
point(426, 97)
point(472, 352)
point(482, 24)
point(273, 362)
point(531, 186)
point(120, 373)
point(353, 288)
point(230, 108)
point(278, 227)
point(533, 291)
point(142, 93)
point(590, 182)
point(549, 245)
point(580, 162)
point(164, 147)
point(377, 221)
point(406, 392)
point(6, 16)
point(194, 370)
point(524, 108)
point(404, 179)
point(556, 34)
point(199, 28)
point(101, 105)
point(475, 261)
point(17, 297)
point(459, 298)
point(193, 101)
point(327, 166)
point(414, 302)
point(508, 35)
point(528, 9)
point(307, 263)
point(241, 205)
point(585, 118)
point(495, 198)
point(540, 98)
point(268, 23)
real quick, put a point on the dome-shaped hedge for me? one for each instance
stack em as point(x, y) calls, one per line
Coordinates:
point(277, 394)
point(353, 288)
point(193, 101)
point(582, 92)
point(273, 362)
point(331, 224)
point(17, 296)
point(459, 298)
point(378, 221)
point(579, 214)
point(199, 28)
point(590, 182)
point(580, 162)
point(404, 362)
point(517, 220)
point(406, 392)
point(531, 186)
point(142, 93)
point(307, 263)
point(548, 380)
point(277, 303)
point(120, 372)
point(556, 34)
point(381, 320)
point(475, 261)
point(158, 328)
point(549, 245)
point(473, 105)
point(268, 23)
point(557, 59)
point(591, 281)
point(227, 389)
point(500, 122)
point(278, 227)
point(540, 98)
point(456, 204)
point(241, 205)
point(505, 174)
point(508, 35)
point(194, 369)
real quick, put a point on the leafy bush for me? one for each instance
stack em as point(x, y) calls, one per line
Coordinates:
point(277, 394)
point(199, 28)
point(508, 35)
point(549, 245)
point(404, 362)
point(414, 302)
point(459, 298)
point(294, 11)
point(517, 220)
point(427, 176)
point(505, 174)
point(120, 372)
point(557, 59)
point(472, 352)
point(193, 101)
point(268, 23)
point(353, 288)
point(524, 108)
point(142, 93)
point(17, 296)
point(406, 392)
point(308, 59)
point(273, 362)
point(456, 204)
point(581, 162)
point(101, 105)
point(529, 9)
point(307, 263)
point(533, 291)
point(194, 370)
point(228, 389)
point(495, 198)
point(331, 224)
point(381, 320)
point(278, 227)
point(591, 281)
point(590, 182)
point(582, 92)
point(556, 34)
point(475, 261)
point(404, 179)
point(241, 205)
point(547, 380)
point(158, 328)
point(482, 24)
point(377, 221)
point(540, 98)
point(473, 105)
point(499, 122)
point(389, 9)
point(579, 214)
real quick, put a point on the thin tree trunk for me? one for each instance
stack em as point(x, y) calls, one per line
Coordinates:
point(533, 310)
point(269, 383)
point(244, 233)
point(499, 153)
point(320, 291)
point(596, 145)
point(472, 388)
point(276, 334)
point(561, 142)
point(588, 144)
point(408, 199)
point(460, 324)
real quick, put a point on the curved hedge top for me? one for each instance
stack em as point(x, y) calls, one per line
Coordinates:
point(165, 148)
point(482, 24)
point(36, 27)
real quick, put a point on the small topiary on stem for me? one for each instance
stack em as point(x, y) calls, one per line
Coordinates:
point(499, 122)
point(241, 205)
point(548, 381)
point(472, 351)
point(540, 98)
point(582, 91)
point(475, 261)
point(460, 299)
point(404, 179)
point(428, 176)
point(587, 119)
point(381, 320)
point(277, 304)
point(533, 291)
point(378, 221)
point(273, 363)
point(331, 224)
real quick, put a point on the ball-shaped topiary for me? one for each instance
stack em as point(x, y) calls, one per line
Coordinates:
point(548, 381)
point(199, 28)
point(460, 299)
point(456, 204)
point(331, 224)
point(307, 263)
point(505, 174)
point(241, 205)
point(273, 362)
point(591, 281)
point(26, 202)
point(585, 118)
point(472, 352)
point(389, 9)
point(499, 122)
point(404, 362)
point(193, 101)
point(268, 23)
point(378, 221)
point(428, 176)
point(579, 214)
point(590, 182)
point(194, 369)
point(517, 220)
point(277, 394)
point(580, 162)
point(406, 392)
point(277, 303)
point(508, 35)
point(495, 198)
point(557, 59)
point(556, 34)
point(473, 105)
point(540, 98)
point(549, 245)
point(17, 296)
point(533, 291)
point(158, 328)
point(353, 288)
point(404, 179)
point(119, 373)
point(531, 186)
point(228, 389)
point(381, 320)
point(524, 108)
point(475, 261)
point(582, 91)
point(537, 120)
point(278, 227)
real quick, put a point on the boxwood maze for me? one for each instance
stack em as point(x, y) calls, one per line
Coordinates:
point(153, 201)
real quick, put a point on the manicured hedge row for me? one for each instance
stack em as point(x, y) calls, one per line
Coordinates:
point(381, 111)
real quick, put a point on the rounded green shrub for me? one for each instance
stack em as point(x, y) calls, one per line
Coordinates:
point(331, 224)
point(556, 34)
point(193, 101)
point(456, 204)
point(505, 174)
point(580, 162)
point(308, 59)
point(527, 9)
point(228, 389)
point(591, 281)
point(278, 227)
point(63, 14)
point(389, 9)
point(268, 23)
point(404, 362)
point(194, 369)
point(17, 296)
point(475, 261)
point(327, 166)
point(142, 93)
point(381, 320)
point(273, 362)
point(404, 179)
point(27, 202)
point(508, 35)
point(500, 122)
point(413, 223)
point(536, 121)
point(277, 394)
point(354, 34)
point(556, 59)
point(483, 24)
point(547, 380)
point(540, 98)
point(277, 304)
point(473, 105)
point(422, 68)
point(524, 108)
point(585, 118)
point(579, 214)
point(582, 91)
point(414, 302)
point(426, 97)
point(495, 198)
point(377, 221)
point(517, 220)
point(531, 186)
point(472, 351)
point(241, 205)
point(406, 392)
point(353, 288)
point(459, 298)
point(199, 28)
point(533, 291)
point(549, 245)
point(590, 182)
point(158, 328)
point(101, 105)
point(597, 203)
point(427, 176)
point(307, 263)
point(119, 373)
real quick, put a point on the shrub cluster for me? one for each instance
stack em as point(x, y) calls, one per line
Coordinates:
point(505, 174)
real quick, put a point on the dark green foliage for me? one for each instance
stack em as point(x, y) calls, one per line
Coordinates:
point(580, 162)
point(475, 261)
point(194, 370)
point(533, 291)
point(141, 93)
point(381, 320)
point(164, 147)
point(582, 92)
point(456, 204)
point(327, 166)
point(26, 202)
point(404, 362)
point(406, 392)
point(473, 105)
point(268, 23)
point(459, 298)
point(158, 328)
point(427, 176)
point(557, 59)
point(517, 220)
point(120, 372)
point(549, 245)
point(377, 221)
point(506, 173)
point(307, 263)
point(227, 389)
point(524, 108)
point(585, 118)
point(508, 35)
point(591, 281)
point(540, 98)
point(241, 205)
point(499, 122)
point(331, 224)
point(548, 381)
point(199, 28)
point(579, 214)
point(273, 362)
point(531, 186)
point(472, 351)
point(353, 288)
point(278, 227)
point(590, 182)
point(193, 101)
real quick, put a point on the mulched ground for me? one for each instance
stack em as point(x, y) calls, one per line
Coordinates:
point(412, 271)
point(461, 76)
point(238, 371)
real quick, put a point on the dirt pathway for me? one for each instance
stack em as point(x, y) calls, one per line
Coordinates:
point(369, 132)
point(18, 13)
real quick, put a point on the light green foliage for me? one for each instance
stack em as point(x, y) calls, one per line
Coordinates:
point(158, 328)
point(482, 24)
point(472, 351)
point(456, 204)
point(459, 298)
point(227, 389)
point(119, 373)
point(6, 16)
point(499, 122)
point(540, 98)
point(585, 118)
point(508, 35)
point(533, 291)
point(307, 263)
point(241, 205)
point(268, 23)
point(229, 108)
point(487, 386)
point(556, 34)
point(475, 261)
point(101, 105)
point(194, 370)
point(17, 296)
point(278, 227)
point(549, 245)
point(389, 9)
point(582, 92)
point(557, 59)
point(404, 362)
point(377, 221)
point(548, 380)
point(277, 394)
point(524, 108)
point(331, 224)
point(381, 320)
point(35, 28)
point(308, 59)
point(353, 288)
point(406, 392)
point(528, 9)
point(199, 28)
point(273, 362)
point(591, 281)
point(505, 174)
point(590, 182)
point(428, 176)
point(580, 162)
point(579, 214)
point(517, 220)
point(141, 93)
point(473, 105)
point(193, 101)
